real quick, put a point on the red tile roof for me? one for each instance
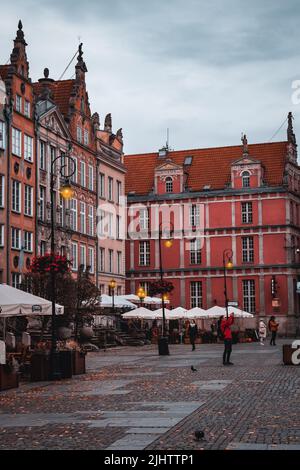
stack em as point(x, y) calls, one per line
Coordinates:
point(210, 166)
point(61, 92)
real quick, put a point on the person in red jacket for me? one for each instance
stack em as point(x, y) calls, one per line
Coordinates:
point(226, 330)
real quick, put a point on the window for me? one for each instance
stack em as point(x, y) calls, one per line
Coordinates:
point(42, 248)
point(102, 259)
point(82, 173)
point(82, 218)
point(71, 168)
point(79, 134)
point(118, 227)
point(102, 216)
point(16, 280)
point(194, 215)
point(28, 148)
point(145, 285)
point(248, 250)
point(86, 137)
point(144, 253)
point(110, 188)
point(110, 260)
point(28, 241)
point(196, 294)
point(16, 196)
point(119, 188)
point(27, 108)
point(195, 253)
point(246, 179)
point(52, 155)
point(2, 135)
point(91, 260)
point(74, 254)
point(73, 214)
point(110, 225)
point(91, 221)
point(144, 219)
point(16, 141)
point(61, 213)
point(101, 185)
point(169, 185)
point(249, 295)
point(19, 103)
point(91, 178)
point(247, 215)
point(42, 155)
point(2, 190)
point(1, 235)
point(83, 257)
point(28, 209)
point(16, 238)
point(42, 204)
point(119, 262)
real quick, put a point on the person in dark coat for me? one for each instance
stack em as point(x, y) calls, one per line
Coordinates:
point(193, 331)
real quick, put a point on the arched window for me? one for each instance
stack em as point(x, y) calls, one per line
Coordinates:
point(246, 179)
point(169, 185)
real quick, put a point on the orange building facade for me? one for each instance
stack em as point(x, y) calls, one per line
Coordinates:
point(43, 121)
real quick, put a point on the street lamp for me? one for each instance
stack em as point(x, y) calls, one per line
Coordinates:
point(141, 295)
point(163, 347)
point(112, 285)
point(227, 264)
point(66, 192)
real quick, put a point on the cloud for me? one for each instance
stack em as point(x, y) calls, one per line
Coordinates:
point(206, 70)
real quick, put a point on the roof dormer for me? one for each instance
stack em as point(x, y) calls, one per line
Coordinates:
point(168, 178)
point(246, 172)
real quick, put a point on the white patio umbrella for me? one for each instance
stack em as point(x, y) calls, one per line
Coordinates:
point(196, 313)
point(158, 314)
point(147, 300)
point(140, 313)
point(15, 302)
point(215, 312)
point(107, 301)
point(180, 312)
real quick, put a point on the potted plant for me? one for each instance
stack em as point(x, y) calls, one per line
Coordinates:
point(9, 377)
point(78, 357)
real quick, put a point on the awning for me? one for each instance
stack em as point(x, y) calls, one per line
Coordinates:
point(15, 302)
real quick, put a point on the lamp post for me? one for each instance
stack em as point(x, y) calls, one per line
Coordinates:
point(227, 264)
point(112, 285)
point(163, 347)
point(66, 192)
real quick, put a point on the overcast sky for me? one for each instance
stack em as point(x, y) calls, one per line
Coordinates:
point(207, 70)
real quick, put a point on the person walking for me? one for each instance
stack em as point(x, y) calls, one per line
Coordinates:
point(262, 332)
point(227, 334)
point(273, 327)
point(193, 330)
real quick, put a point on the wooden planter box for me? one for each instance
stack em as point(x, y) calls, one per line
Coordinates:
point(66, 364)
point(8, 379)
point(39, 367)
point(288, 351)
point(78, 362)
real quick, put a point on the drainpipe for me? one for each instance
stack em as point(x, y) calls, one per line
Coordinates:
point(97, 240)
point(8, 111)
point(36, 133)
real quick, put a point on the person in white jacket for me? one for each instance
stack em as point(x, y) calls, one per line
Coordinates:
point(262, 331)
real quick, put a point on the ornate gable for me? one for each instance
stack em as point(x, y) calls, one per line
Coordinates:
point(246, 171)
point(51, 118)
point(168, 178)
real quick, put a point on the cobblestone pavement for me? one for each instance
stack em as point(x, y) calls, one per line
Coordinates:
point(131, 398)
